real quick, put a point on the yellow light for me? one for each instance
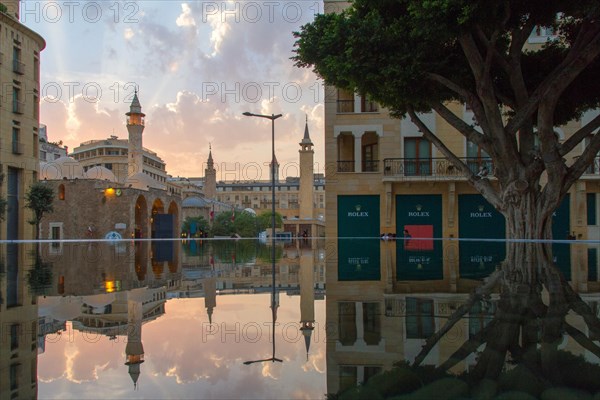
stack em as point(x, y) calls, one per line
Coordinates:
point(110, 191)
point(110, 286)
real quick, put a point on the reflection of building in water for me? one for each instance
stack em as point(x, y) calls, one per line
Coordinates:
point(92, 202)
point(374, 323)
point(18, 331)
point(93, 268)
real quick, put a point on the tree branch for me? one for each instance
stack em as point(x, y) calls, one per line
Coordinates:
point(578, 136)
point(582, 339)
point(484, 290)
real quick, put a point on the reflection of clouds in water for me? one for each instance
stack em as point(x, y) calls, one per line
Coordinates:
point(179, 362)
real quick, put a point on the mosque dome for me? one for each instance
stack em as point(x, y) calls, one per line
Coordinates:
point(61, 168)
point(194, 202)
point(143, 182)
point(101, 173)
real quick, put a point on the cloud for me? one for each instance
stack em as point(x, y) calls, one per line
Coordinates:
point(185, 18)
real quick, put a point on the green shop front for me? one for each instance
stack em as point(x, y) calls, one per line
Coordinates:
point(358, 238)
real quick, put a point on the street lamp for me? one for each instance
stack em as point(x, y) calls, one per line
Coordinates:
point(272, 117)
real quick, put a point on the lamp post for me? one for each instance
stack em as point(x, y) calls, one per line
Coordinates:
point(272, 117)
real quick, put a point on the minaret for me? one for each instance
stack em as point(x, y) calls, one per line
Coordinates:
point(135, 127)
point(276, 170)
point(306, 176)
point(210, 177)
point(134, 350)
point(307, 296)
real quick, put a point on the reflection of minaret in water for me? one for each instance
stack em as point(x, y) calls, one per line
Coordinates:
point(210, 295)
point(307, 296)
point(134, 350)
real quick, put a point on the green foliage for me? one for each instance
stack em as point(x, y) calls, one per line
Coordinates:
point(201, 225)
point(39, 199)
point(264, 220)
point(244, 224)
point(234, 251)
point(3, 8)
point(395, 50)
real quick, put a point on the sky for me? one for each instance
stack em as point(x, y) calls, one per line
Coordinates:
point(198, 65)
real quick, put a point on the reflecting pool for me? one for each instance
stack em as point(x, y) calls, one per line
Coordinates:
point(353, 318)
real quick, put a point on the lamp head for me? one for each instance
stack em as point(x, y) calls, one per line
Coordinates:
point(247, 114)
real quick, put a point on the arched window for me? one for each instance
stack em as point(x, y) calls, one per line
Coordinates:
point(61, 192)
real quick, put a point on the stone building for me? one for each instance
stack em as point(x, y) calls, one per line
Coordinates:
point(20, 52)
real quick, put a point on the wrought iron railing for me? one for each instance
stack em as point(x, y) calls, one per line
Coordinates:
point(345, 166)
point(435, 167)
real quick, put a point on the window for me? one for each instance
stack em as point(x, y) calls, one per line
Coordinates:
point(367, 105)
point(17, 105)
point(18, 66)
point(347, 323)
point(417, 156)
point(55, 233)
point(61, 192)
point(345, 144)
point(480, 316)
point(371, 323)
point(42, 155)
point(17, 147)
point(14, 337)
point(348, 377)
point(419, 318)
point(345, 101)
point(370, 152)
point(478, 160)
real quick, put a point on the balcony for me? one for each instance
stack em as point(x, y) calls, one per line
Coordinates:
point(18, 148)
point(18, 107)
point(18, 67)
point(345, 166)
point(366, 166)
point(401, 169)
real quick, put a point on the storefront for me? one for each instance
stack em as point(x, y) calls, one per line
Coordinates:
point(358, 238)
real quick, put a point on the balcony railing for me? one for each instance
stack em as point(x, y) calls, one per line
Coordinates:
point(345, 166)
point(18, 67)
point(18, 148)
point(435, 167)
point(18, 107)
point(345, 106)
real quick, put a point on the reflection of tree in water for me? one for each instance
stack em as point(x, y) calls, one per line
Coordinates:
point(39, 276)
point(523, 320)
point(518, 346)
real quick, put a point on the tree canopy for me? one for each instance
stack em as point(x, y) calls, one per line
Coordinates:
point(414, 56)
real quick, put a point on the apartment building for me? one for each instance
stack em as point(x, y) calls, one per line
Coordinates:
point(386, 178)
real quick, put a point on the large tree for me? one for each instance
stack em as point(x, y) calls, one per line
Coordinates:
point(414, 56)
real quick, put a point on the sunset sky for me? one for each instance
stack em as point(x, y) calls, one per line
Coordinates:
point(198, 65)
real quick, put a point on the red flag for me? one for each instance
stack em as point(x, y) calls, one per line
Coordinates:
point(233, 215)
point(212, 216)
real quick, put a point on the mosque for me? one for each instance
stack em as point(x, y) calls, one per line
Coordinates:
point(92, 202)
